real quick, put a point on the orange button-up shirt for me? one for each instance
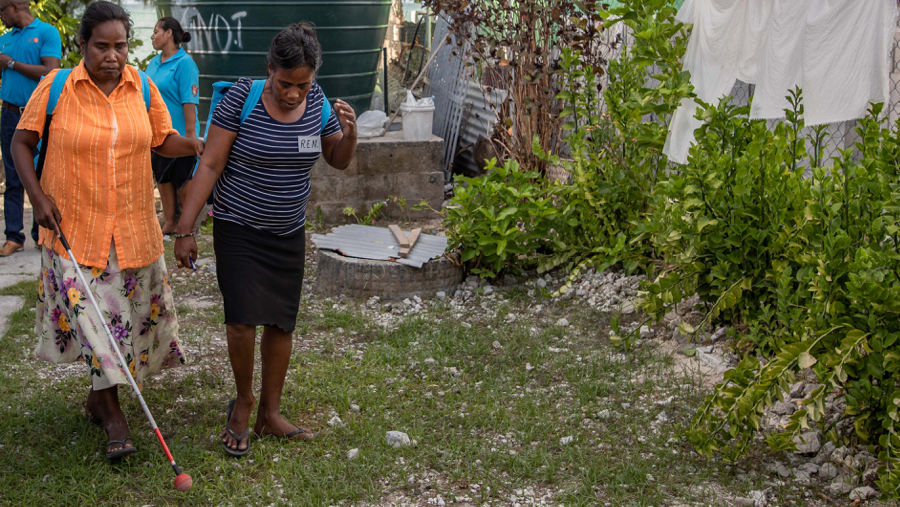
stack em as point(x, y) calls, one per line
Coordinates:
point(98, 166)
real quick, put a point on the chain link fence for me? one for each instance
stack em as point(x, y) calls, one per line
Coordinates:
point(143, 18)
point(140, 53)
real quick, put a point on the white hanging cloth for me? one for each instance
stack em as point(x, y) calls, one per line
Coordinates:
point(836, 51)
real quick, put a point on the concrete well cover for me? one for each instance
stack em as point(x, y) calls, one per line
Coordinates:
point(378, 243)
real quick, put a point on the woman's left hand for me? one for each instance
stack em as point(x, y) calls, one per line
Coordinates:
point(185, 252)
point(347, 117)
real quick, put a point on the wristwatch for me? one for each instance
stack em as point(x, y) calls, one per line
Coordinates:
point(11, 64)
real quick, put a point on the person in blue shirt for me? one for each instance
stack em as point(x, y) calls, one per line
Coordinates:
point(178, 79)
point(29, 51)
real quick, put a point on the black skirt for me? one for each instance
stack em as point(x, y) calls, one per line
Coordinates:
point(260, 274)
point(176, 171)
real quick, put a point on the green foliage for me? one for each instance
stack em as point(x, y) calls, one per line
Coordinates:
point(660, 43)
point(729, 222)
point(401, 203)
point(140, 63)
point(512, 45)
point(59, 14)
point(206, 226)
point(809, 265)
point(370, 217)
point(800, 254)
point(499, 221)
point(316, 222)
point(615, 157)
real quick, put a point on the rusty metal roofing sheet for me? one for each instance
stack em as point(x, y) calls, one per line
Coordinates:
point(378, 243)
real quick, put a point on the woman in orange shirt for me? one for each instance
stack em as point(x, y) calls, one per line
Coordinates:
point(97, 171)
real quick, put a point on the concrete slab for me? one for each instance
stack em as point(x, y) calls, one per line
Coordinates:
point(23, 265)
point(18, 267)
point(8, 306)
point(383, 167)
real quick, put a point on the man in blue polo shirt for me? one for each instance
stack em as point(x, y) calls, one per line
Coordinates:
point(29, 51)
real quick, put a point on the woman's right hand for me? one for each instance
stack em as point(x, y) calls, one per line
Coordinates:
point(47, 214)
point(185, 251)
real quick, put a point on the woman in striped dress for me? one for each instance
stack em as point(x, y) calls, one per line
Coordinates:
point(260, 170)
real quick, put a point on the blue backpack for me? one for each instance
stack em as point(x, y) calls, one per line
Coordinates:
point(56, 88)
point(220, 88)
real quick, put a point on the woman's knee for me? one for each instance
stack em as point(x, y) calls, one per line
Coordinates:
point(240, 331)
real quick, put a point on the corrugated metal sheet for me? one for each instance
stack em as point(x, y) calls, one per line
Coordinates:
point(379, 244)
point(445, 81)
point(479, 117)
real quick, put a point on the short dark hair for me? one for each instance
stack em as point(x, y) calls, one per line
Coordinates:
point(178, 33)
point(100, 12)
point(296, 46)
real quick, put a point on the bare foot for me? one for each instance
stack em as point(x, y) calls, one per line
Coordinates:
point(276, 424)
point(104, 405)
point(239, 422)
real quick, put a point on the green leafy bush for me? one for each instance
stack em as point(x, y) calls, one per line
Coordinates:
point(615, 157)
point(810, 265)
point(801, 255)
point(498, 221)
point(729, 223)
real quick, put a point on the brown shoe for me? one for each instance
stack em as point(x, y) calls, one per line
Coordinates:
point(11, 247)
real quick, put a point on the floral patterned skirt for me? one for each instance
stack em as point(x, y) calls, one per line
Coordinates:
point(136, 304)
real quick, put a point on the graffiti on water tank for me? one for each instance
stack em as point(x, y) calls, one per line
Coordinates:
point(216, 32)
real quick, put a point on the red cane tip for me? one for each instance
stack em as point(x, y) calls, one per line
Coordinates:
point(183, 482)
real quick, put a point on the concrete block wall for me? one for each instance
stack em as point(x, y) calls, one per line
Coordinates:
point(383, 167)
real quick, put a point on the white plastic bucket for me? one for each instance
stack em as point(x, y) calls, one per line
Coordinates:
point(417, 122)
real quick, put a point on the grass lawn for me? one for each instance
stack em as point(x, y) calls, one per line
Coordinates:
point(553, 415)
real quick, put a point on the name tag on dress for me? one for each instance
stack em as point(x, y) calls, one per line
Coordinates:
point(309, 144)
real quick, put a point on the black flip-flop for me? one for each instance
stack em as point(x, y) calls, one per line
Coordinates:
point(124, 451)
point(245, 434)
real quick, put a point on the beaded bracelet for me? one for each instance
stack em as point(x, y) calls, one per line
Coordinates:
point(179, 236)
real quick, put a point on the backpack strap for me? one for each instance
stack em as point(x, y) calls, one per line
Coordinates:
point(56, 88)
point(326, 112)
point(145, 88)
point(220, 88)
point(256, 90)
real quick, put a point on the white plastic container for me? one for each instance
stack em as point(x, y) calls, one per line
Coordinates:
point(417, 121)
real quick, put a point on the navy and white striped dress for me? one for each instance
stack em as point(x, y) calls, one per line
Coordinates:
point(265, 184)
point(260, 208)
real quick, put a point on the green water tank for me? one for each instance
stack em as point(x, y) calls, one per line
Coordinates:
point(230, 40)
